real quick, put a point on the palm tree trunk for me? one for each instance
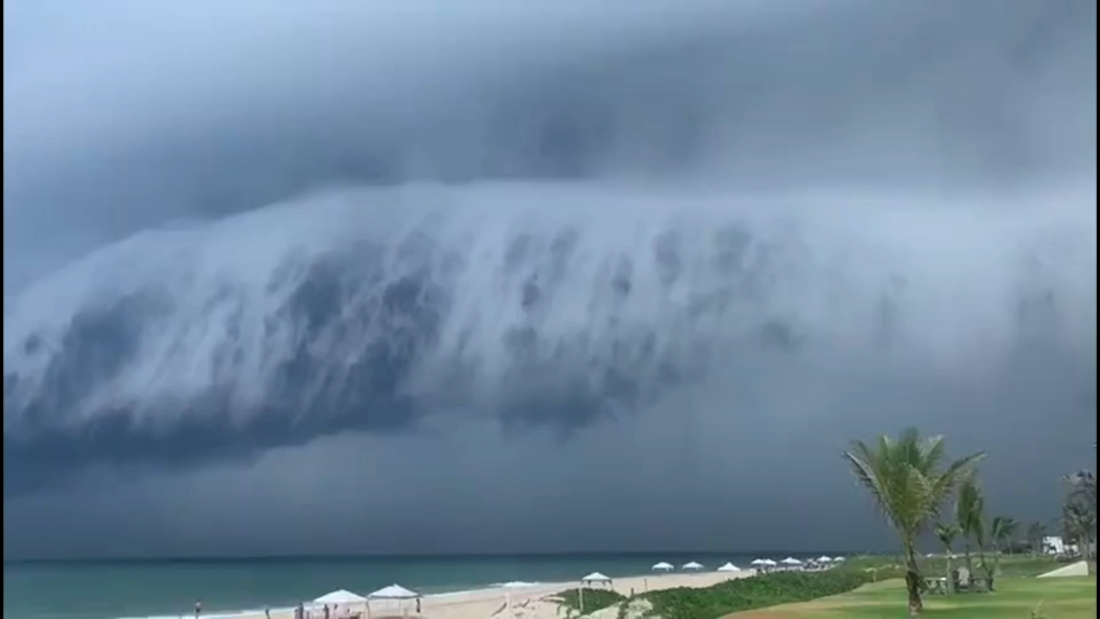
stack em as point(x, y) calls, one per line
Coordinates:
point(913, 580)
point(969, 561)
point(950, 580)
point(984, 564)
point(1089, 554)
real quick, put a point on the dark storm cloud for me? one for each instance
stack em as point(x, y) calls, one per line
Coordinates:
point(235, 230)
point(168, 128)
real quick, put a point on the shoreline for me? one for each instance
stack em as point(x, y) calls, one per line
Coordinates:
point(525, 599)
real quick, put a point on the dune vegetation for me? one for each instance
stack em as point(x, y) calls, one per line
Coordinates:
point(727, 597)
point(594, 600)
point(752, 593)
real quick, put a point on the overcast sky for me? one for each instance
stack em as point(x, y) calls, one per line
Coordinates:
point(425, 276)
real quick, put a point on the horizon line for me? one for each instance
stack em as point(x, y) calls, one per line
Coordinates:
point(416, 555)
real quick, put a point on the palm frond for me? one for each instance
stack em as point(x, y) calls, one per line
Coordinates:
point(970, 508)
point(946, 534)
point(932, 452)
point(904, 476)
point(867, 470)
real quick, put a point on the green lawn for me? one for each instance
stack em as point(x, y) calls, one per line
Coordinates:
point(1009, 565)
point(1015, 598)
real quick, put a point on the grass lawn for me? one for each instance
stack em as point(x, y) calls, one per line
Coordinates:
point(1009, 565)
point(1015, 598)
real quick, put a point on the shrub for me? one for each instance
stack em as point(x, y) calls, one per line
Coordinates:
point(594, 599)
point(758, 592)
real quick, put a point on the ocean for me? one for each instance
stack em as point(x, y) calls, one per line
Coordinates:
point(169, 588)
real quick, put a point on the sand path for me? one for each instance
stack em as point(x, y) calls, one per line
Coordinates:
point(1074, 569)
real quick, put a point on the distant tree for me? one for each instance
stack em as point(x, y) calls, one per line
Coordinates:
point(1036, 532)
point(1079, 524)
point(969, 508)
point(906, 479)
point(1084, 487)
point(970, 514)
point(1079, 515)
point(947, 534)
point(1002, 530)
point(1083, 513)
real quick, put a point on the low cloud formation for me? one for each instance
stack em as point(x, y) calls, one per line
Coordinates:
point(245, 234)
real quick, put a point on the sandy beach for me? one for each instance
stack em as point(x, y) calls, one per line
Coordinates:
point(526, 602)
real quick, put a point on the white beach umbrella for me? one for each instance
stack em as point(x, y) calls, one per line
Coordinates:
point(757, 562)
point(340, 596)
point(588, 580)
point(662, 567)
point(729, 567)
point(838, 559)
point(692, 565)
point(824, 559)
point(392, 592)
point(769, 563)
point(594, 577)
point(791, 561)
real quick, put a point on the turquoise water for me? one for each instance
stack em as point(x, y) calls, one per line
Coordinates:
point(111, 589)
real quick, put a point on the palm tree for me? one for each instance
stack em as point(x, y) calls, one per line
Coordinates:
point(1079, 521)
point(969, 506)
point(1001, 531)
point(947, 534)
point(969, 514)
point(1036, 531)
point(1083, 488)
point(905, 478)
point(1079, 514)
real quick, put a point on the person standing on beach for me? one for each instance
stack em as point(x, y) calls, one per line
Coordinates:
point(267, 612)
point(198, 609)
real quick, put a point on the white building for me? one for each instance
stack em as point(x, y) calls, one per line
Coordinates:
point(1053, 545)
